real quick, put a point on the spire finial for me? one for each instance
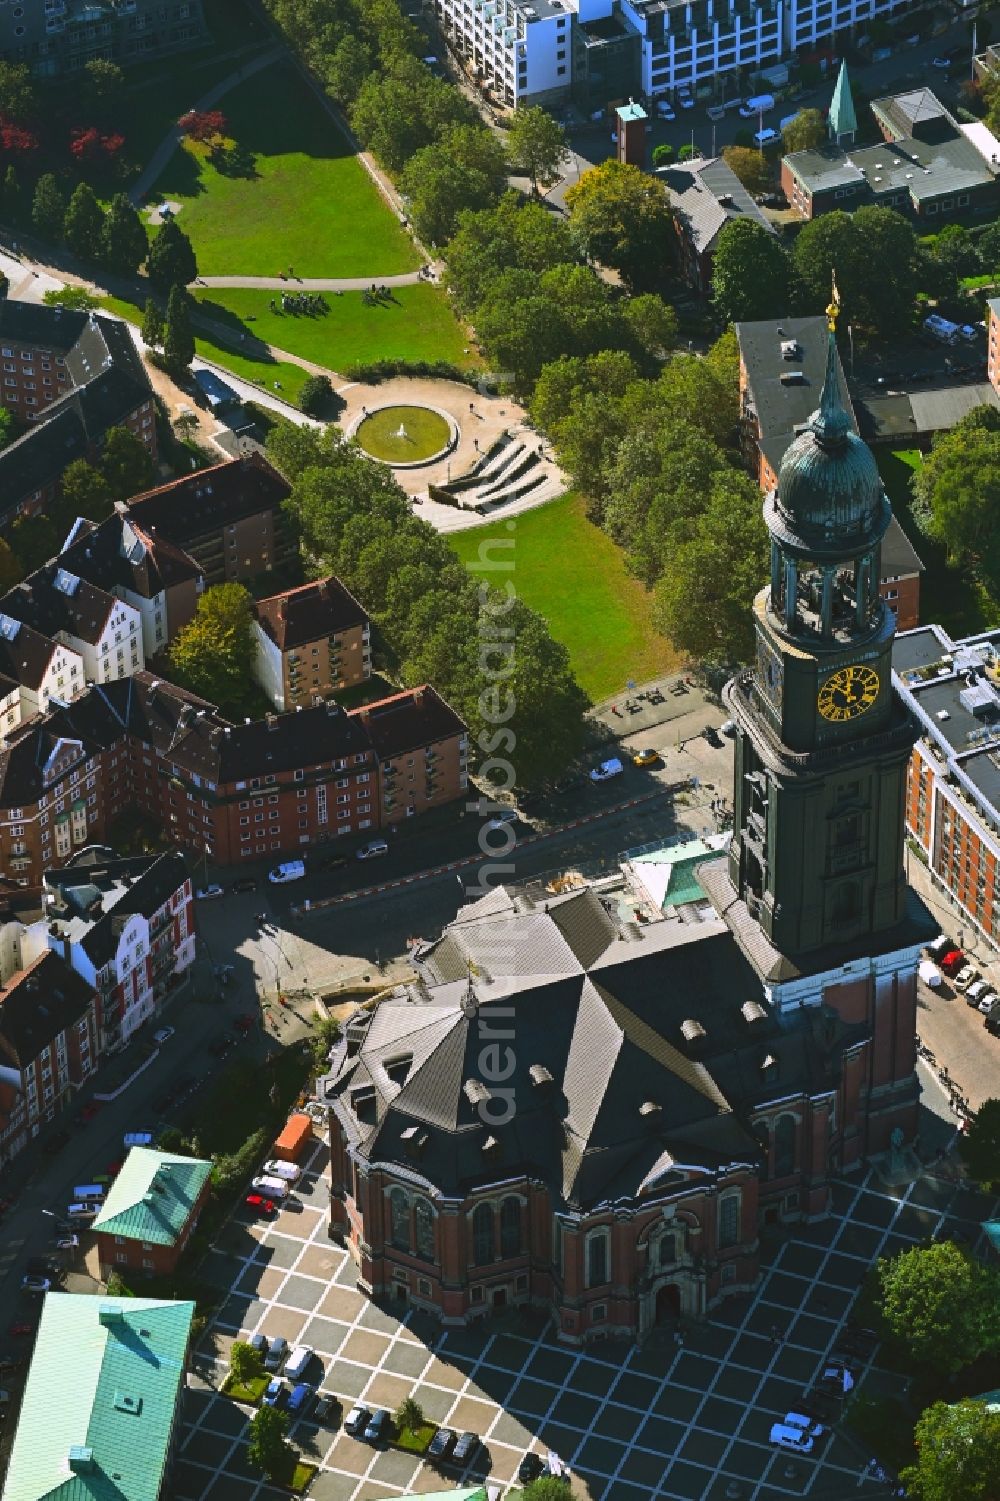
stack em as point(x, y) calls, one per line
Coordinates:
point(830, 422)
point(833, 306)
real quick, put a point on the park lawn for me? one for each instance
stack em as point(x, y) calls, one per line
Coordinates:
point(280, 377)
point(417, 324)
point(950, 594)
point(568, 570)
point(310, 205)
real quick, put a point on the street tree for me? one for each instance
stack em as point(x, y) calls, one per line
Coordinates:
point(245, 1361)
point(536, 143)
point(102, 86)
point(47, 208)
point(805, 132)
point(18, 97)
point(178, 336)
point(171, 261)
point(958, 1453)
point(186, 426)
point(268, 1448)
point(213, 655)
point(979, 1146)
point(83, 224)
point(83, 491)
point(751, 273)
point(126, 463)
point(750, 167)
point(124, 243)
point(152, 324)
point(409, 1415)
point(663, 155)
point(621, 217)
point(939, 1305)
point(316, 395)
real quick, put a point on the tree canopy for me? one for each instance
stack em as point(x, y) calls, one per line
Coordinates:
point(465, 169)
point(536, 143)
point(621, 217)
point(859, 247)
point(171, 260)
point(125, 244)
point(958, 1453)
point(83, 224)
point(213, 655)
point(751, 273)
point(979, 1146)
point(83, 491)
point(178, 335)
point(750, 167)
point(940, 1305)
point(957, 492)
point(47, 208)
point(267, 1449)
point(126, 463)
point(516, 234)
point(805, 132)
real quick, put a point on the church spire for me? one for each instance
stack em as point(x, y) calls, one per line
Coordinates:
point(830, 421)
point(842, 122)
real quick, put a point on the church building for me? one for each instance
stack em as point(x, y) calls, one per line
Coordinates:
point(596, 1116)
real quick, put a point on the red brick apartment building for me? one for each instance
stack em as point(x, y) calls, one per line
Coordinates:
point(315, 639)
point(781, 374)
point(145, 1222)
point(68, 377)
point(49, 1044)
point(953, 784)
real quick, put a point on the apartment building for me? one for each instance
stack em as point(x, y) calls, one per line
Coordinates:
point(312, 640)
point(781, 375)
point(993, 342)
point(421, 751)
point(48, 672)
point(55, 37)
point(104, 631)
point(159, 580)
point(126, 927)
point(686, 46)
point(953, 785)
point(518, 53)
point(75, 375)
point(151, 1209)
point(229, 518)
point(49, 1044)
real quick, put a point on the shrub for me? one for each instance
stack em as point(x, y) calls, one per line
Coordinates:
point(379, 370)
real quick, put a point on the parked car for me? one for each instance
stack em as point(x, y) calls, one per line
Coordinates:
point(951, 961)
point(163, 1035)
point(505, 816)
point(530, 1468)
point(67, 1242)
point(35, 1285)
point(245, 883)
point(290, 870)
point(966, 975)
point(987, 1002)
point(260, 1205)
point(379, 1426)
point(372, 850)
point(992, 1019)
point(929, 973)
point(209, 893)
point(712, 736)
point(274, 1392)
point(647, 757)
point(607, 769)
point(838, 1377)
point(791, 1438)
point(975, 992)
point(258, 1342)
point(665, 109)
point(275, 1188)
point(290, 1171)
point(805, 1422)
point(277, 1354)
point(325, 1406)
point(357, 1421)
point(941, 62)
point(441, 1443)
point(43, 1266)
point(684, 99)
point(56, 1143)
point(82, 1211)
point(465, 1447)
point(939, 946)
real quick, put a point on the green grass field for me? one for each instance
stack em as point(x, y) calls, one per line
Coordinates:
point(311, 204)
point(418, 324)
point(949, 594)
point(572, 573)
point(424, 433)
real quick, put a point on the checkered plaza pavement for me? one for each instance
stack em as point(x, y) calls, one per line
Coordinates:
point(674, 1421)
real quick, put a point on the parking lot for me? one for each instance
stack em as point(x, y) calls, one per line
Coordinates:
point(675, 1421)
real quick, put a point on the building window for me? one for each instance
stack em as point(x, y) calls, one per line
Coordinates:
point(784, 1146)
point(729, 1220)
point(599, 1313)
point(482, 1234)
point(423, 1221)
point(399, 1219)
point(510, 1227)
point(598, 1247)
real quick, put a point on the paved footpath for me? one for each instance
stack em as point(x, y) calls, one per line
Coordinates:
point(311, 283)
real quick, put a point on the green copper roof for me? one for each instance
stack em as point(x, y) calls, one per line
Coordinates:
point(103, 1387)
point(631, 111)
point(842, 120)
point(152, 1197)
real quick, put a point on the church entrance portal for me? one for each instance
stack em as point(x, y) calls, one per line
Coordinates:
point(668, 1303)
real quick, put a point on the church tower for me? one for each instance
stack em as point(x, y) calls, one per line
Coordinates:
point(822, 742)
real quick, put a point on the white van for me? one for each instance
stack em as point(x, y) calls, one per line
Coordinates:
point(274, 1188)
point(759, 104)
point(298, 1363)
point(766, 137)
point(288, 1171)
point(88, 1193)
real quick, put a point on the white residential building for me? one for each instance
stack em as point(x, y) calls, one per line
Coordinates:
point(105, 631)
point(47, 672)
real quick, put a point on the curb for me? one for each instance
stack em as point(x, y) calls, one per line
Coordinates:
point(453, 865)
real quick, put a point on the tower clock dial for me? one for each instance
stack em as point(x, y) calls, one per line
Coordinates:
point(770, 672)
point(847, 693)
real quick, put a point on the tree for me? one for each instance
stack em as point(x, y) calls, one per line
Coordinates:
point(536, 143)
point(663, 155)
point(652, 324)
point(35, 540)
point(940, 1305)
point(409, 1415)
point(87, 144)
point(185, 426)
point(245, 1362)
point(979, 1147)
point(214, 654)
point(125, 244)
point(316, 395)
point(325, 1037)
point(958, 1453)
point(267, 1449)
point(178, 337)
point(11, 570)
point(516, 235)
point(152, 324)
point(17, 92)
point(347, 68)
point(126, 463)
point(704, 599)
point(750, 167)
point(11, 196)
point(171, 261)
point(465, 169)
point(404, 108)
point(805, 132)
point(751, 273)
point(688, 153)
point(203, 125)
point(47, 208)
point(83, 491)
point(83, 225)
point(102, 85)
point(547, 1488)
point(77, 298)
point(857, 247)
point(957, 490)
point(621, 217)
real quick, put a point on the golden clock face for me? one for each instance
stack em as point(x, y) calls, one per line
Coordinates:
point(848, 693)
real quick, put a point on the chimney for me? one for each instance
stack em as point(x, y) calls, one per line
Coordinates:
point(81, 1460)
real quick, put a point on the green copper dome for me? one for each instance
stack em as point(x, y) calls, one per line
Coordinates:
point(829, 494)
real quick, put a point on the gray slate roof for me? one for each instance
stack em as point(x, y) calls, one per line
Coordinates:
point(706, 195)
